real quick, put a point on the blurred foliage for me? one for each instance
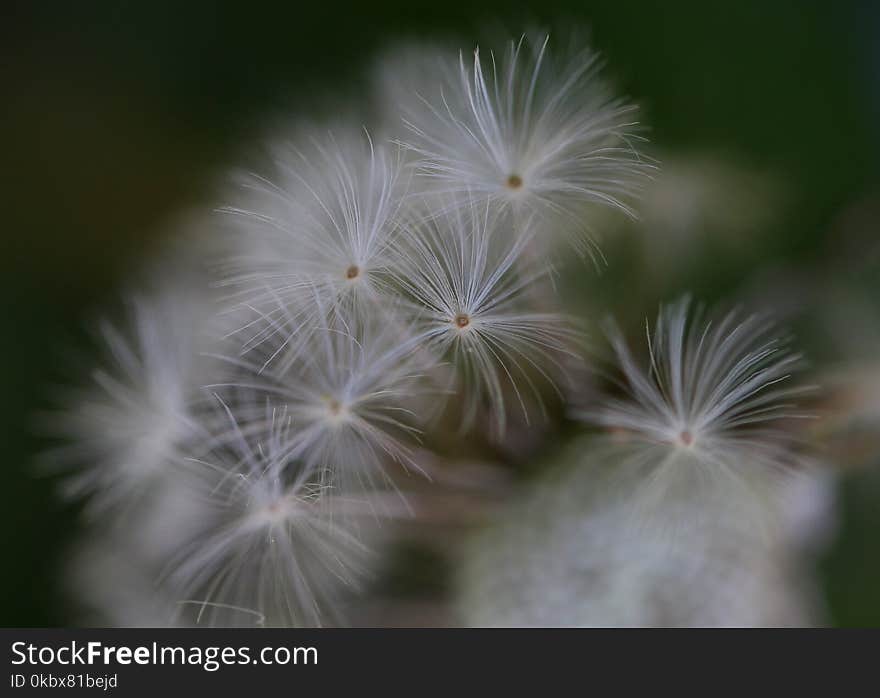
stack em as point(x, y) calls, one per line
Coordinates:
point(116, 117)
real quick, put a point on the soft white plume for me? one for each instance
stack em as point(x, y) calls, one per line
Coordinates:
point(536, 134)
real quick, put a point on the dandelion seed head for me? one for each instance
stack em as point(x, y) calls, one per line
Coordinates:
point(361, 281)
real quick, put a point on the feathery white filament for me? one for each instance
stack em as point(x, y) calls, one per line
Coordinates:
point(349, 391)
point(324, 225)
point(279, 548)
point(130, 426)
point(470, 285)
point(711, 401)
point(532, 136)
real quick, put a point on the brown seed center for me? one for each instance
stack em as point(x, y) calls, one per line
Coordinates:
point(514, 181)
point(462, 320)
point(352, 272)
point(686, 438)
point(334, 406)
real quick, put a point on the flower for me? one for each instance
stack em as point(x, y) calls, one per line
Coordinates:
point(534, 136)
point(360, 282)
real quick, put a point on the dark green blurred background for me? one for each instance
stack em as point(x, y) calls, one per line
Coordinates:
point(117, 116)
